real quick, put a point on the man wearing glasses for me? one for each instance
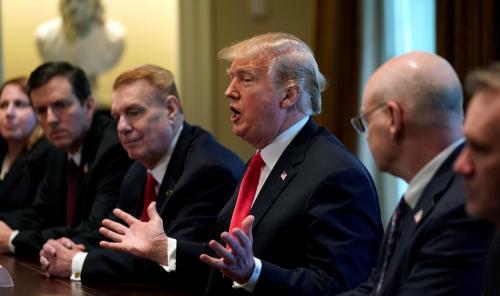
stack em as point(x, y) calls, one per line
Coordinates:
point(412, 115)
point(86, 165)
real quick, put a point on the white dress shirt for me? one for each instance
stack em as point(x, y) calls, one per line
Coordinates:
point(422, 178)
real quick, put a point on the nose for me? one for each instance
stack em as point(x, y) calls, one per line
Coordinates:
point(123, 126)
point(51, 116)
point(463, 164)
point(231, 91)
point(11, 110)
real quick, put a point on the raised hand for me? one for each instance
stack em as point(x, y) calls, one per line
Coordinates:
point(238, 262)
point(143, 239)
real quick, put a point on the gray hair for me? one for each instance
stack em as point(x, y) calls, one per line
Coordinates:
point(488, 78)
point(292, 64)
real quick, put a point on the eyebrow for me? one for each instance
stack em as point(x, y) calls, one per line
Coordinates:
point(241, 71)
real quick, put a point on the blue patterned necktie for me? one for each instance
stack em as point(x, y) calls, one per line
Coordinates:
point(394, 232)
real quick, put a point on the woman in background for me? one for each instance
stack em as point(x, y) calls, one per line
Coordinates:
point(23, 149)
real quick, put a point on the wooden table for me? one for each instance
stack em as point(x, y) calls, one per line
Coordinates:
point(29, 281)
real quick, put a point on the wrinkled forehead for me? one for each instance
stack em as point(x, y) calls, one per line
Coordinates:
point(250, 64)
point(139, 91)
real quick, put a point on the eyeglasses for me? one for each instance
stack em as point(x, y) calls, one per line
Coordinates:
point(359, 123)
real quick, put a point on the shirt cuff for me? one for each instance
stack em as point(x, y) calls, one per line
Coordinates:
point(77, 266)
point(172, 258)
point(252, 281)
point(12, 236)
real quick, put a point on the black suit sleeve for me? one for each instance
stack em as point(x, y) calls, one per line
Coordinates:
point(109, 174)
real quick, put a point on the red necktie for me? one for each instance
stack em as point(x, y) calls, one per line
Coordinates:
point(248, 188)
point(149, 196)
point(72, 179)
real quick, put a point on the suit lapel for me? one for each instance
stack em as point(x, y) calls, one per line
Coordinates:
point(88, 159)
point(283, 172)
point(175, 167)
point(411, 222)
point(438, 185)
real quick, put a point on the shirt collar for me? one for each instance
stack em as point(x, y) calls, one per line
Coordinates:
point(160, 169)
point(423, 177)
point(76, 157)
point(272, 152)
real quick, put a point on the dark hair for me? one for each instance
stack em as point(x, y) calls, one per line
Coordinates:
point(44, 73)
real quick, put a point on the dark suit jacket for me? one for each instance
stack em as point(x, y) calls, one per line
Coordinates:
point(199, 180)
point(492, 283)
point(317, 230)
point(440, 255)
point(19, 187)
point(103, 164)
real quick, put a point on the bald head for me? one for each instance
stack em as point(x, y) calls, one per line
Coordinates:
point(424, 84)
point(413, 101)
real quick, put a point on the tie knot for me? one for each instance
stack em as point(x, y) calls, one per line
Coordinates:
point(256, 162)
point(402, 205)
point(400, 210)
point(72, 167)
point(150, 181)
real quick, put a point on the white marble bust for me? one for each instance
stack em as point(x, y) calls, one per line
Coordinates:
point(81, 36)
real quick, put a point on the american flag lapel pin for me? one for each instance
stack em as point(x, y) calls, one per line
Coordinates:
point(418, 216)
point(283, 176)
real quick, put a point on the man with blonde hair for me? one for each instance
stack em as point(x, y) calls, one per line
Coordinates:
point(305, 219)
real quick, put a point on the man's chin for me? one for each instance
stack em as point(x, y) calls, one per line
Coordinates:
point(60, 143)
point(238, 131)
point(134, 154)
point(472, 208)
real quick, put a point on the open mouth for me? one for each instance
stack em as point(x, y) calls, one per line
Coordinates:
point(236, 114)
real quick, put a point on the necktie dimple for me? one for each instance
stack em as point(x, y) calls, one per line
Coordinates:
point(247, 191)
point(394, 232)
point(149, 196)
point(72, 181)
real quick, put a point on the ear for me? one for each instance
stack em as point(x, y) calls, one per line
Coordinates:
point(173, 106)
point(291, 97)
point(396, 114)
point(89, 106)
